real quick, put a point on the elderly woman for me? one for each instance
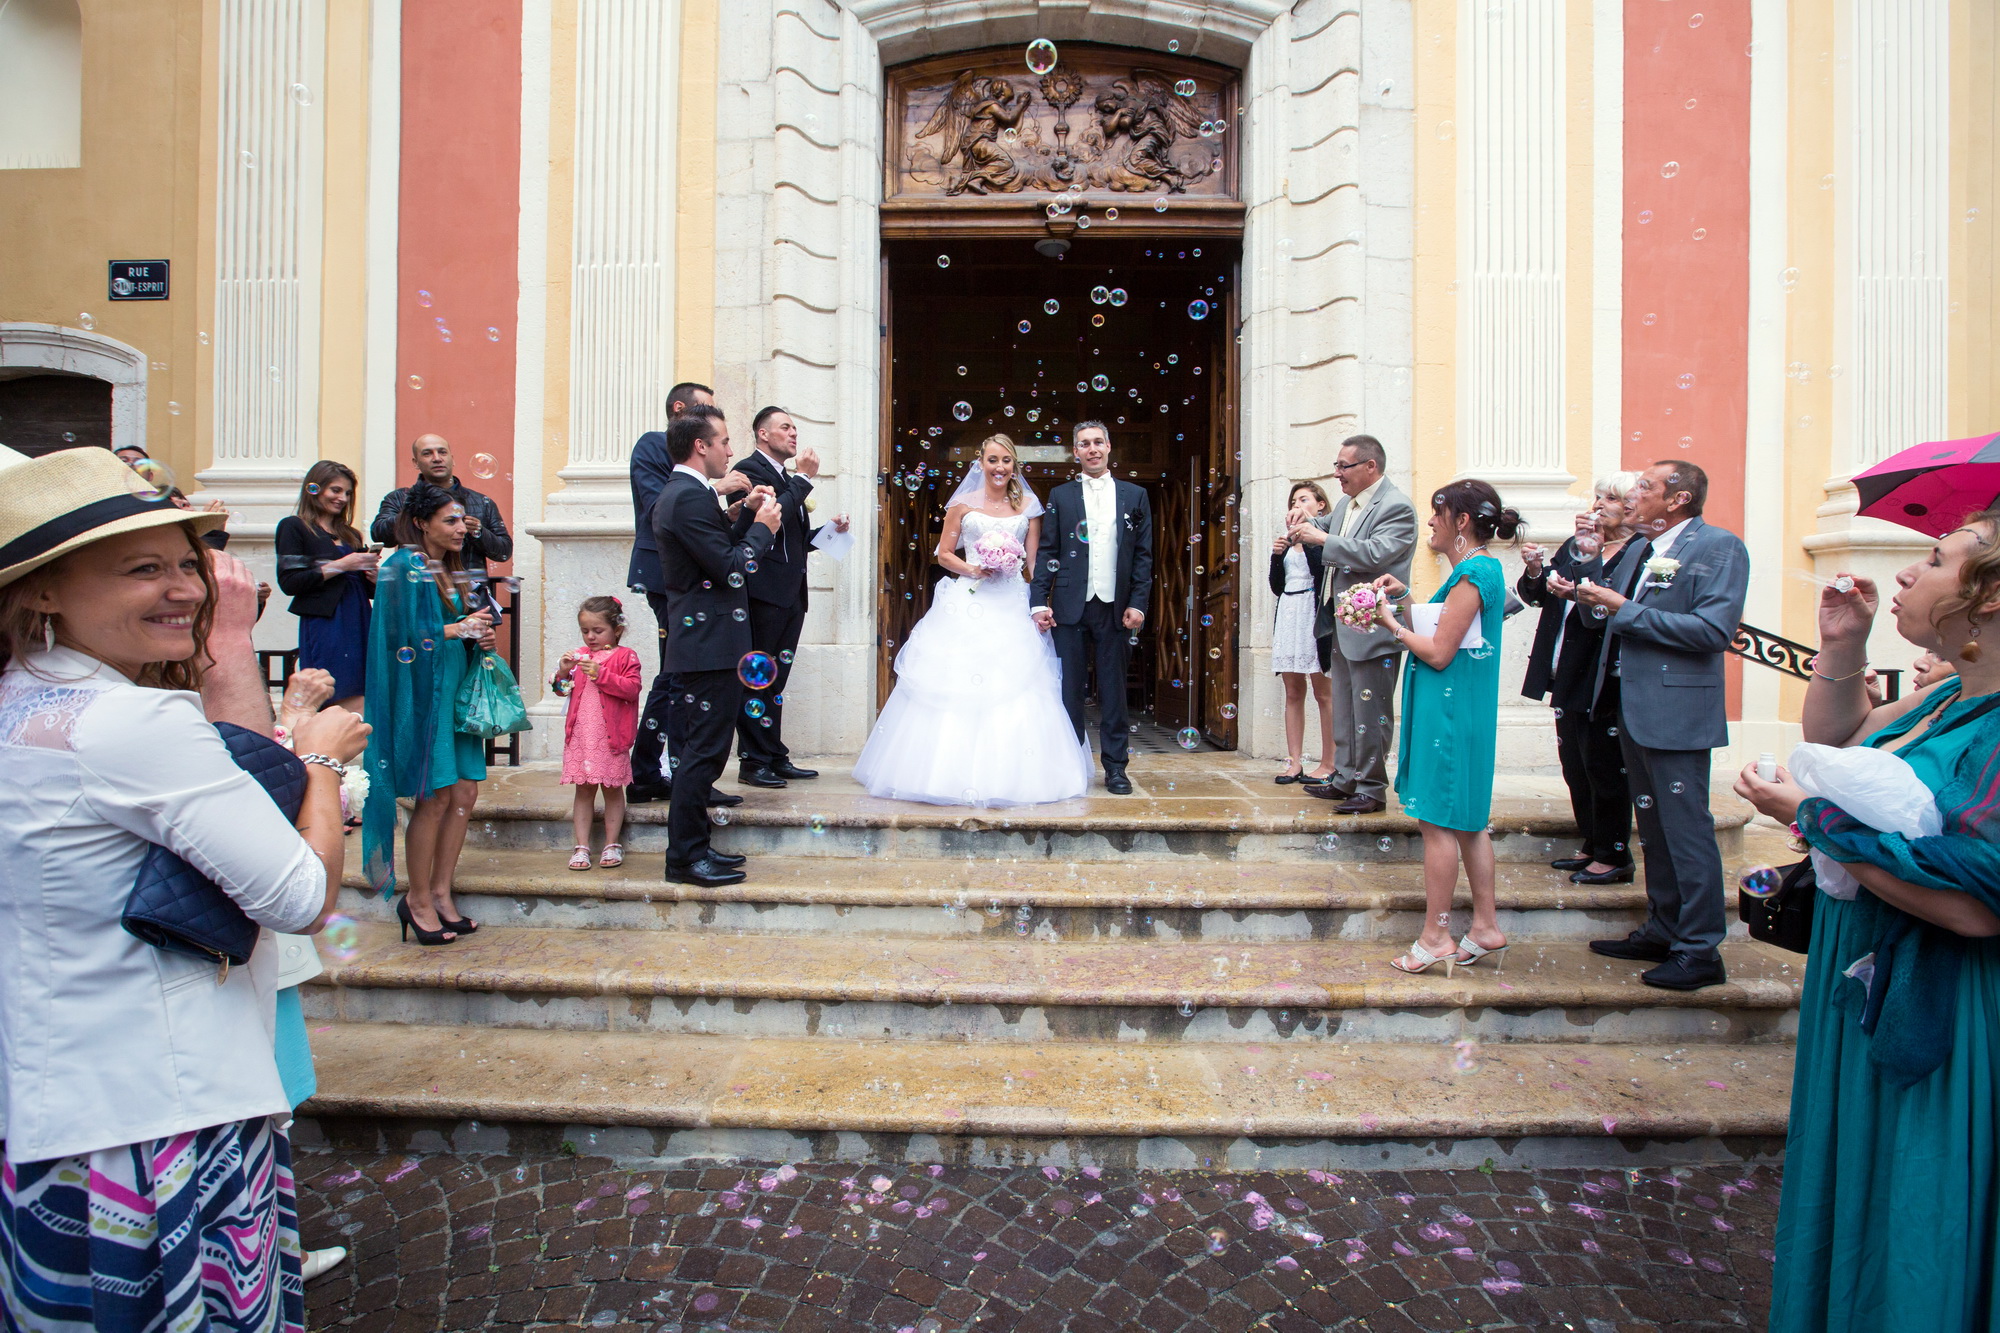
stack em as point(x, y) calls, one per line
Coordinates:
point(1593, 765)
point(147, 1183)
point(1891, 1208)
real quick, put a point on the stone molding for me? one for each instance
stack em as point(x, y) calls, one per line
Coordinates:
point(80, 352)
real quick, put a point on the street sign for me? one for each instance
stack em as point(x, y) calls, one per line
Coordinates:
point(138, 280)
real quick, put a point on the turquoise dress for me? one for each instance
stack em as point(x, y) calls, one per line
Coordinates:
point(455, 756)
point(1451, 718)
point(1891, 1211)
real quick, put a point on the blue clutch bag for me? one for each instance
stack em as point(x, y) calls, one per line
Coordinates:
point(175, 907)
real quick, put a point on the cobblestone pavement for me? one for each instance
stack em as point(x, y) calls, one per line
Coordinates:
point(445, 1242)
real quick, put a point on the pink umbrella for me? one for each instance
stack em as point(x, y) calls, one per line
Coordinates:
point(1932, 487)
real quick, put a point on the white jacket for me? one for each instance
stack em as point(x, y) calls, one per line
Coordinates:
point(106, 1040)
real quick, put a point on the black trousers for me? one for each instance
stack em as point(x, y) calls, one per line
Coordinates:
point(700, 757)
point(660, 721)
point(1098, 638)
point(1685, 906)
point(1593, 767)
point(774, 630)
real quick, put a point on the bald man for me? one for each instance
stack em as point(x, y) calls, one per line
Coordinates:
point(486, 537)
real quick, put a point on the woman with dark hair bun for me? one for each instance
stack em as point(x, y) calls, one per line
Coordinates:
point(427, 633)
point(1451, 711)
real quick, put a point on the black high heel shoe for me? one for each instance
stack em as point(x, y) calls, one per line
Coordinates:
point(425, 937)
point(458, 926)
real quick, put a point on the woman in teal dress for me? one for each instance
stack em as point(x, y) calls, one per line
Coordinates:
point(1891, 1211)
point(424, 637)
point(1451, 716)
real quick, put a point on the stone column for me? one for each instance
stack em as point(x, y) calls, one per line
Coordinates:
point(1891, 252)
point(621, 329)
point(1511, 257)
point(269, 217)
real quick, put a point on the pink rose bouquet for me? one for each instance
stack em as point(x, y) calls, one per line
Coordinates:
point(998, 553)
point(1356, 607)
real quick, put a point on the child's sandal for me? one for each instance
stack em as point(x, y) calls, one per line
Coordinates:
point(614, 855)
point(580, 858)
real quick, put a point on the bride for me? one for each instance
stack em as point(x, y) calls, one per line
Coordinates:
point(977, 715)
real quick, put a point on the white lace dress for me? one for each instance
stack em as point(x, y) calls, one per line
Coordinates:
point(1293, 647)
point(977, 715)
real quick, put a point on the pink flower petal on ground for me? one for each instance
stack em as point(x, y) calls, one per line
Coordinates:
point(1609, 1124)
point(1094, 1172)
point(979, 1256)
point(1286, 1262)
point(1318, 1077)
point(752, 1222)
point(1717, 1083)
point(791, 1232)
point(1051, 1172)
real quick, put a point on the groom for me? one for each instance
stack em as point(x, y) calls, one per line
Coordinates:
point(1091, 587)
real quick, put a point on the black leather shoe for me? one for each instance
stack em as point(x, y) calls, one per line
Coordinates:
point(730, 860)
point(707, 872)
point(1358, 804)
point(1615, 875)
point(1686, 972)
point(717, 796)
point(758, 777)
point(791, 772)
point(1328, 791)
point(1569, 863)
point(1116, 782)
point(1633, 949)
point(1287, 779)
point(643, 793)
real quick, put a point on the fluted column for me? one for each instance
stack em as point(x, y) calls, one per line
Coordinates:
point(268, 227)
point(1511, 255)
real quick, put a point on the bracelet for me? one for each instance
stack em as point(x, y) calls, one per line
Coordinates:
point(325, 761)
point(1837, 679)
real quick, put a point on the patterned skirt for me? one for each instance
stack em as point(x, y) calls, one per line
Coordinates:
point(198, 1233)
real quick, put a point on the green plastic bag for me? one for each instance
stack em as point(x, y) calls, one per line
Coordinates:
point(489, 702)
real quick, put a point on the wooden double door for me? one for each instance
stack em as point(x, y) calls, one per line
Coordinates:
point(987, 336)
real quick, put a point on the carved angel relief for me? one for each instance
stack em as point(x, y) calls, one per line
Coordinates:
point(1144, 131)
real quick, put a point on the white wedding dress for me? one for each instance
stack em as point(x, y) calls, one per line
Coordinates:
point(977, 715)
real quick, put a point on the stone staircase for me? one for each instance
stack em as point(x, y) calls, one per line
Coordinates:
point(1193, 975)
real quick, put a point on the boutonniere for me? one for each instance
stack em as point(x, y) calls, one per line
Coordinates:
point(1660, 571)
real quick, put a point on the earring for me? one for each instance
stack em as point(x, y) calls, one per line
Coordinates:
point(1970, 653)
point(49, 632)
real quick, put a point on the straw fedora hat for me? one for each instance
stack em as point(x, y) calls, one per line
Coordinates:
point(50, 506)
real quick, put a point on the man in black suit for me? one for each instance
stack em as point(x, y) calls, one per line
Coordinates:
point(659, 721)
point(1092, 587)
point(702, 569)
point(777, 588)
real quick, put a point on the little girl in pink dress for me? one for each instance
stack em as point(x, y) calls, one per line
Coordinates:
point(602, 681)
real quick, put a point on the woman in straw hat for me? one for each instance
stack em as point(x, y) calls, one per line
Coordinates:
point(147, 1182)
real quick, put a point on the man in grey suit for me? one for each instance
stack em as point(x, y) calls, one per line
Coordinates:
point(1370, 531)
point(1674, 597)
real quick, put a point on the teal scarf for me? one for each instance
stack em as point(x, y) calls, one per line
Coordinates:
point(1909, 1004)
point(405, 704)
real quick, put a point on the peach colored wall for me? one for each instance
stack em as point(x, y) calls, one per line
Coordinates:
point(1687, 245)
point(460, 222)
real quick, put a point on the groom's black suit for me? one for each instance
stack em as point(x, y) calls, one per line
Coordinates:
point(1090, 629)
point(778, 597)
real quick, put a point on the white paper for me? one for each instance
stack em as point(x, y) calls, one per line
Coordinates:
point(835, 545)
point(1424, 621)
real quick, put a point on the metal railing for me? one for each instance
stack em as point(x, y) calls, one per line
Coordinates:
point(1795, 659)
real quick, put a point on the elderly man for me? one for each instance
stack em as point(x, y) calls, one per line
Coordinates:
point(1369, 532)
point(486, 537)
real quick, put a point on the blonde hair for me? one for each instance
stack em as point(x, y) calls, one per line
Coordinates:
point(1014, 493)
point(1617, 485)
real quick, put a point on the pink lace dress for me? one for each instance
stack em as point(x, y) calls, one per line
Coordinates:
point(588, 755)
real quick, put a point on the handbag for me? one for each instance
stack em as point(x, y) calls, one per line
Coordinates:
point(1785, 917)
point(489, 703)
point(175, 907)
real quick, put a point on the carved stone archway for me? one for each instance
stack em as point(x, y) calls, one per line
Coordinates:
point(52, 347)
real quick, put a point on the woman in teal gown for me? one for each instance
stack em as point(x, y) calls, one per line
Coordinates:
point(1891, 1211)
point(423, 638)
point(1451, 716)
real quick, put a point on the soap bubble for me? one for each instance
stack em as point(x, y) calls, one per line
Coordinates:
point(785, 657)
point(1111, 215)
point(416, 381)
point(735, 579)
point(1465, 1055)
point(1228, 712)
point(1099, 295)
point(962, 410)
point(423, 297)
point(1761, 882)
point(1082, 386)
point(1188, 738)
point(1118, 296)
point(1185, 87)
point(1024, 326)
point(427, 645)
point(1041, 56)
point(1197, 310)
point(85, 320)
point(302, 94)
point(1082, 535)
point(1100, 382)
point(156, 479)
point(756, 670)
point(739, 614)
point(1160, 204)
point(961, 370)
point(1097, 320)
point(944, 261)
point(1686, 381)
point(753, 708)
point(1644, 803)
point(406, 654)
point(1050, 306)
point(341, 936)
point(484, 466)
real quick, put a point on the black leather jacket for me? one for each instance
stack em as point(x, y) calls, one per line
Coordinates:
point(494, 543)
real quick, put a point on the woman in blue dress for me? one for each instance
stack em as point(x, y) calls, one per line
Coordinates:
point(1451, 712)
point(330, 576)
point(1890, 1217)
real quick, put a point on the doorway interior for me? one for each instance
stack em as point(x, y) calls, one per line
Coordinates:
point(986, 335)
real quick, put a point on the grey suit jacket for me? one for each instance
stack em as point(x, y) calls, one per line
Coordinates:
point(1671, 641)
point(1379, 541)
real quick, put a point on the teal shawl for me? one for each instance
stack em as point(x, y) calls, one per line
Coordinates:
point(405, 704)
point(1909, 1002)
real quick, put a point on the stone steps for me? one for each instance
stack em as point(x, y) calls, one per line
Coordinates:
point(944, 989)
point(1033, 899)
point(472, 1089)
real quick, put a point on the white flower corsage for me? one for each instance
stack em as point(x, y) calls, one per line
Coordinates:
point(1660, 571)
point(353, 792)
